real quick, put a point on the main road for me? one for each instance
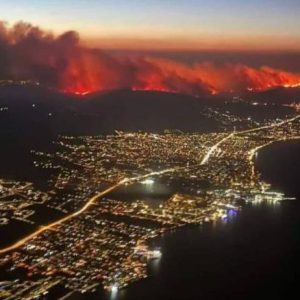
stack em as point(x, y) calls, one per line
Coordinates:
point(100, 194)
point(90, 202)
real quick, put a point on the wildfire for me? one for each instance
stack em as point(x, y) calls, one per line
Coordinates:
point(61, 62)
point(79, 92)
point(153, 74)
point(83, 93)
point(292, 85)
point(153, 88)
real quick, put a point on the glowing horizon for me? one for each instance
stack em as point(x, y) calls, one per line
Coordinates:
point(233, 43)
point(167, 25)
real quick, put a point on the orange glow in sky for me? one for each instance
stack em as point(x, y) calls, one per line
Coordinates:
point(230, 43)
point(167, 24)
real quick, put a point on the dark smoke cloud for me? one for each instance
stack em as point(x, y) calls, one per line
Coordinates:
point(27, 52)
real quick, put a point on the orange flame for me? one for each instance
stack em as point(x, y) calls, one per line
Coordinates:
point(88, 73)
point(61, 62)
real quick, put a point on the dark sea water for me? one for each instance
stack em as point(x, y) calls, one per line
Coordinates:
point(255, 254)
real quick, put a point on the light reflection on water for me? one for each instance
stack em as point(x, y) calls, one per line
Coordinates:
point(221, 257)
point(154, 266)
point(114, 294)
point(262, 210)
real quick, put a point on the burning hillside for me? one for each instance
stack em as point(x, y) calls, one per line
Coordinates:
point(62, 63)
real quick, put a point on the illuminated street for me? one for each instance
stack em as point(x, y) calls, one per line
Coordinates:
point(90, 224)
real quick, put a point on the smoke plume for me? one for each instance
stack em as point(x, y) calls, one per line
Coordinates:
point(60, 62)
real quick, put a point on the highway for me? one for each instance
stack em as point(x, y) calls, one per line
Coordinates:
point(90, 202)
point(270, 126)
point(214, 148)
point(253, 151)
point(94, 198)
point(100, 194)
point(24, 240)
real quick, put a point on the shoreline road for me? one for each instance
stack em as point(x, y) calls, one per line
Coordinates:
point(100, 194)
